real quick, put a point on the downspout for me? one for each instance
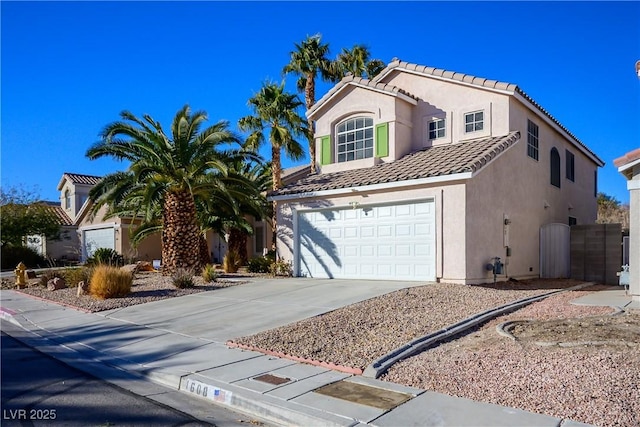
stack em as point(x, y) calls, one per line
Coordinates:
point(441, 233)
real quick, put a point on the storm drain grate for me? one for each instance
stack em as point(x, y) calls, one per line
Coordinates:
point(364, 394)
point(272, 379)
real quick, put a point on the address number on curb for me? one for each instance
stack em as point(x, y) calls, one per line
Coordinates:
point(207, 391)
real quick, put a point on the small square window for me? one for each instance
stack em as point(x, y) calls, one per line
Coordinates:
point(436, 129)
point(474, 121)
point(573, 221)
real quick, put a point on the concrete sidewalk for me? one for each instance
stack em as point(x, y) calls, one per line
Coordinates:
point(180, 343)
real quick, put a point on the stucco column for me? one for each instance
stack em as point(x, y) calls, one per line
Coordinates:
point(634, 233)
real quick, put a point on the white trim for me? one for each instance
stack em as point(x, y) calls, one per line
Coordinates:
point(374, 187)
point(113, 225)
point(633, 184)
point(628, 165)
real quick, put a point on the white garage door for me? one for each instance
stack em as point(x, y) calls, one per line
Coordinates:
point(372, 242)
point(99, 238)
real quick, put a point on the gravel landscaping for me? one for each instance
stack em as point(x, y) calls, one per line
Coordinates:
point(356, 335)
point(596, 383)
point(147, 286)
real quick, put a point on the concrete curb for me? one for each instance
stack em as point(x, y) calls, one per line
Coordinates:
point(333, 367)
point(382, 364)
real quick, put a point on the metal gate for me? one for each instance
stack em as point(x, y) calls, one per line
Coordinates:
point(555, 251)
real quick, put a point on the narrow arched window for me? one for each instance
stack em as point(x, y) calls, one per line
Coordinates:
point(555, 167)
point(354, 139)
point(67, 199)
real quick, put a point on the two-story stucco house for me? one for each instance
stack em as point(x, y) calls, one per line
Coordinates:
point(427, 174)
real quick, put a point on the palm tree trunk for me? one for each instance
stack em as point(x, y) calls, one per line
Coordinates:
point(238, 243)
point(205, 256)
point(310, 99)
point(276, 168)
point(180, 233)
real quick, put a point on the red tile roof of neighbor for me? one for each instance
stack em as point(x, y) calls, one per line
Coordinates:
point(57, 210)
point(442, 160)
point(77, 178)
point(631, 156)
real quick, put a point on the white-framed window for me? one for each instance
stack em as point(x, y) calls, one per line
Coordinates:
point(437, 129)
point(354, 139)
point(474, 121)
point(67, 199)
point(532, 140)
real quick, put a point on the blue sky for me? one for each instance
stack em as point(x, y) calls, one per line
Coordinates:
point(69, 68)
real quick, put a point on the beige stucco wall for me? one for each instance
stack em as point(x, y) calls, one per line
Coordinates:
point(450, 222)
point(453, 99)
point(67, 247)
point(78, 193)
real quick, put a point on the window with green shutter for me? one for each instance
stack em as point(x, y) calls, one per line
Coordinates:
point(325, 150)
point(382, 140)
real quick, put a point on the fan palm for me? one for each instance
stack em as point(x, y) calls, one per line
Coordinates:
point(356, 61)
point(307, 61)
point(167, 174)
point(275, 112)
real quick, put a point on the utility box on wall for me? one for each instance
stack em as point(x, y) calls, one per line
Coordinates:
point(596, 252)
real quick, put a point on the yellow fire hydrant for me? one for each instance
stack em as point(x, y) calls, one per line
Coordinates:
point(21, 273)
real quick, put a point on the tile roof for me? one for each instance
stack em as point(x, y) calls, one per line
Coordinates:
point(442, 160)
point(359, 81)
point(629, 157)
point(77, 178)
point(58, 211)
point(478, 81)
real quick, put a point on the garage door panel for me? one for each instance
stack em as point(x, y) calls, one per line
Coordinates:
point(375, 242)
point(98, 238)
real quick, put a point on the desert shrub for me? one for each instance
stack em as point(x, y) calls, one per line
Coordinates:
point(110, 282)
point(51, 274)
point(106, 256)
point(11, 256)
point(259, 265)
point(231, 262)
point(209, 273)
point(183, 278)
point(281, 268)
point(72, 276)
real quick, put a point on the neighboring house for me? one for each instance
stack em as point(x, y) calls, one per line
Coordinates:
point(629, 166)
point(63, 249)
point(427, 174)
point(93, 230)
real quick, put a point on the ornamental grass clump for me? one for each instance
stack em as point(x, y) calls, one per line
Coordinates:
point(110, 282)
point(183, 278)
point(231, 262)
point(209, 273)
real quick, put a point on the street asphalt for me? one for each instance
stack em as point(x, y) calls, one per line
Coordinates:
point(179, 343)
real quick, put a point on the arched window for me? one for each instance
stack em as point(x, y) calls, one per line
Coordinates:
point(555, 167)
point(67, 199)
point(354, 139)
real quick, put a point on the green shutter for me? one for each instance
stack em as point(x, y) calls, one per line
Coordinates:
point(382, 140)
point(325, 150)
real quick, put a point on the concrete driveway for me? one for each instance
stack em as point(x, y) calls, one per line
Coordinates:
point(246, 309)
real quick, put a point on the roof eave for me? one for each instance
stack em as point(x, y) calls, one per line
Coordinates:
point(373, 187)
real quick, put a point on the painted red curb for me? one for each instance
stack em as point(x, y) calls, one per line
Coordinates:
point(55, 302)
point(8, 311)
point(334, 367)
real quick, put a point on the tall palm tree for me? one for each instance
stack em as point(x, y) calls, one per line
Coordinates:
point(307, 61)
point(356, 61)
point(166, 174)
point(275, 111)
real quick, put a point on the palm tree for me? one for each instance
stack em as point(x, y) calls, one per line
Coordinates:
point(275, 111)
point(167, 174)
point(307, 61)
point(356, 61)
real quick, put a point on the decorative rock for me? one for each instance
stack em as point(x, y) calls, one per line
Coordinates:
point(83, 288)
point(56, 283)
point(131, 268)
point(31, 274)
